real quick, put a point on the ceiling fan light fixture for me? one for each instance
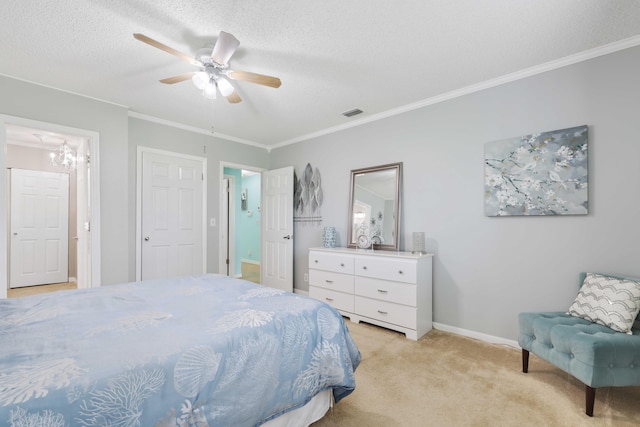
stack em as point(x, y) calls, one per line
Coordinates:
point(225, 87)
point(200, 79)
point(209, 90)
point(213, 64)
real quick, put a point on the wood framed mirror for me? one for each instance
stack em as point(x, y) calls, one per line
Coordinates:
point(374, 211)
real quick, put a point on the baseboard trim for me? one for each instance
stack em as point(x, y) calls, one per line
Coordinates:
point(491, 339)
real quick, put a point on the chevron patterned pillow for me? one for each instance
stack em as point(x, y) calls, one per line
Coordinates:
point(608, 301)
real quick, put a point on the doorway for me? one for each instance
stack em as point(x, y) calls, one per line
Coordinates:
point(32, 145)
point(240, 222)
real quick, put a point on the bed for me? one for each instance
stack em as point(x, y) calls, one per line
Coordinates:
point(194, 351)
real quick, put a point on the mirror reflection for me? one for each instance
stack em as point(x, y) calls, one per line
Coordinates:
point(375, 205)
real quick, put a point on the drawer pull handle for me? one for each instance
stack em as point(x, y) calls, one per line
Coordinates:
point(382, 291)
point(342, 264)
point(329, 281)
point(316, 261)
point(364, 267)
point(329, 299)
point(382, 312)
point(400, 271)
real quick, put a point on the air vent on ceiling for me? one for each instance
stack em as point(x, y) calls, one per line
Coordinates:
point(352, 113)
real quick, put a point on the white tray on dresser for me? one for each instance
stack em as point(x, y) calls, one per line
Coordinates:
point(385, 288)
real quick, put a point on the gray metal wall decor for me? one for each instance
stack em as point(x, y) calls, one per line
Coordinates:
point(307, 197)
point(539, 174)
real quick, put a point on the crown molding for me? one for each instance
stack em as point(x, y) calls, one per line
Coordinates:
point(194, 129)
point(63, 90)
point(508, 78)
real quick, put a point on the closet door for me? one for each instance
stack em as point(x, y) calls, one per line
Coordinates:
point(172, 216)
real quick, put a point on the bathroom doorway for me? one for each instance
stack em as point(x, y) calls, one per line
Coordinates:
point(240, 223)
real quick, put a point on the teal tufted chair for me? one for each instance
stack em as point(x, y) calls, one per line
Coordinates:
point(594, 354)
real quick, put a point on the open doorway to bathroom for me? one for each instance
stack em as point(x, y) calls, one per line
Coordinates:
point(240, 225)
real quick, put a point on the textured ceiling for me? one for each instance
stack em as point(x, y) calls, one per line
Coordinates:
point(331, 55)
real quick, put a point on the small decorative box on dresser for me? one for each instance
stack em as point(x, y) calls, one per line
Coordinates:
point(385, 288)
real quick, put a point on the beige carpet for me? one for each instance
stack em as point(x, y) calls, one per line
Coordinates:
point(449, 380)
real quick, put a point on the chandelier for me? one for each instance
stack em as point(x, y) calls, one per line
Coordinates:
point(64, 157)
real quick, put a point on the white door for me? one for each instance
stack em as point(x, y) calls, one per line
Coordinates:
point(277, 229)
point(39, 228)
point(171, 216)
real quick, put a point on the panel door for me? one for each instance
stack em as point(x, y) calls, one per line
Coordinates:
point(172, 216)
point(39, 228)
point(277, 229)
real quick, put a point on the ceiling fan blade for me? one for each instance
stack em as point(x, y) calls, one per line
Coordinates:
point(164, 47)
point(234, 98)
point(260, 79)
point(177, 79)
point(224, 48)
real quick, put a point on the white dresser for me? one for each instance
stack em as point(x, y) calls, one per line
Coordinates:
point(385, 288)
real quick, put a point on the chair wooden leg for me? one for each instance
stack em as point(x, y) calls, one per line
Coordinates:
point(590, 397)
point(525, 360)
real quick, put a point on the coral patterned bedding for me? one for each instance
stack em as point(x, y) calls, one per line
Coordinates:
point(193, 351)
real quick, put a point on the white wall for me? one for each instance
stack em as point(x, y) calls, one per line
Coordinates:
point(487, 270)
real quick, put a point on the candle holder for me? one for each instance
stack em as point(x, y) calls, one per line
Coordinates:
point(419, 247)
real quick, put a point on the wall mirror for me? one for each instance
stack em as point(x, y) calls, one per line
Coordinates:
point(375, 207)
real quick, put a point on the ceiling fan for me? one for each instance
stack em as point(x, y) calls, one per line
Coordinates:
point(213, 64)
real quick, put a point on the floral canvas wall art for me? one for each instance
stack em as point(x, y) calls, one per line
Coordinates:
point(539, 174)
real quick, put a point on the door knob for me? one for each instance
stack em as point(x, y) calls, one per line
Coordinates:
point(288, 237)
point(146, 239)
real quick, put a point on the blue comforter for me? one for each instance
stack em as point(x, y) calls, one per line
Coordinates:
point(188, 352)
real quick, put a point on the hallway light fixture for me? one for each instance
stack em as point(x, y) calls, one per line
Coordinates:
point(64, 157)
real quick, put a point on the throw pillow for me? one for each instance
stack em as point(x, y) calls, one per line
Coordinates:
point(608, 301)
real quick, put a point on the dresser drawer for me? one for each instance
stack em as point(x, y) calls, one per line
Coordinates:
point(399, 270)
point(397, 292)
point(340, 263)
point(396, 314)
point(337, 300)
point(330, 280)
